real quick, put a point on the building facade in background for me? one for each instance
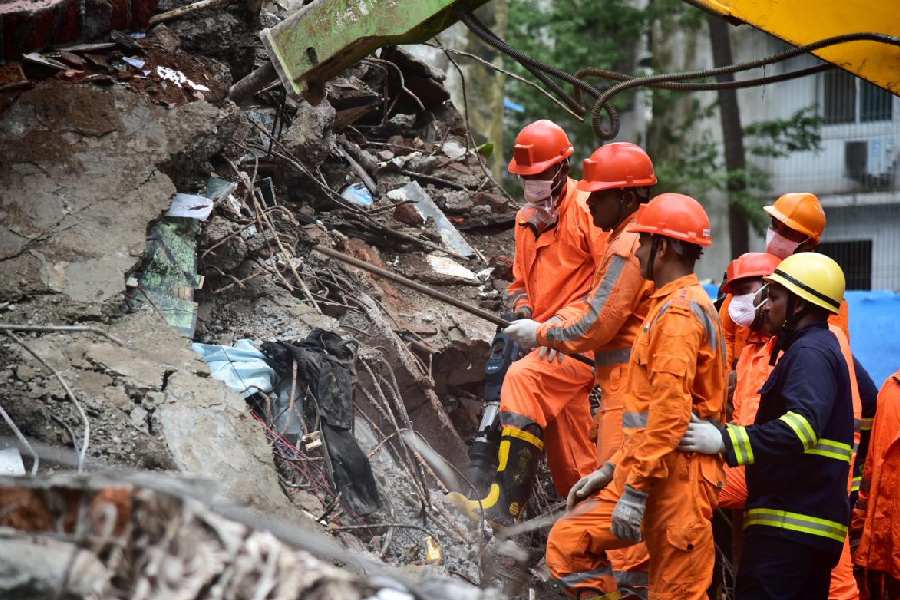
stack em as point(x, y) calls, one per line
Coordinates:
point(855, 172)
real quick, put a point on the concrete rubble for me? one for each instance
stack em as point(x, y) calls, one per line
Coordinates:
point(92, 153)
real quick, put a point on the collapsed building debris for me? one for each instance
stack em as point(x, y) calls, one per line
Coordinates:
point(141, 207)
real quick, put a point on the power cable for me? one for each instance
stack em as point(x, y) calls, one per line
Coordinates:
point(671, 81)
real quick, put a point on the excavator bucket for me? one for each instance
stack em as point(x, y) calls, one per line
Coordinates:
point(325, 37)
point(801, 22)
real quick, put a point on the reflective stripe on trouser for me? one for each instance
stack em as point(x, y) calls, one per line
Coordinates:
point(554, 397)
point(677, 531)
point(632, 584)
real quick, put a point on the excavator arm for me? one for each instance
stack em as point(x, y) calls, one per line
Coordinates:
point(801, 22)
point(326, 36)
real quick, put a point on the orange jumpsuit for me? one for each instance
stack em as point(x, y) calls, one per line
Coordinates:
point(878, 509)
point(551, 270)
point(677, 368)
point(752, 371)
point(607, 321)
point(841, 320)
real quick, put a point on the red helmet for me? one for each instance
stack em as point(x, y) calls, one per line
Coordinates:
point(539, 146)
point(674, 216)
point(801, 211)
point(751, 264)
point(617, 166)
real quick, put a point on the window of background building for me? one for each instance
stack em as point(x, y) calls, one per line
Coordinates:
point(855, 258)
point(849, 99)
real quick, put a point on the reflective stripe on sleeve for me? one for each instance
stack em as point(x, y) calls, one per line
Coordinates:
point(801, 428)
point(634, 420)
point(740, 441)
point(791, 521)
point(857, 481)
point(597, 303)
point(864, 424)
point(609, 358)
point(832, 449)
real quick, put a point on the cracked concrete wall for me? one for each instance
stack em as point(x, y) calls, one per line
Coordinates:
point(80, 181)
point(81, 177)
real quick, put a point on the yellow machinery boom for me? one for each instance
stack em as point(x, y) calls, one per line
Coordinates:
point(800, 22)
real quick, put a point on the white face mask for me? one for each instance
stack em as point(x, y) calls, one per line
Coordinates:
point(742, 310)
point(537, 190)
point(780, 246)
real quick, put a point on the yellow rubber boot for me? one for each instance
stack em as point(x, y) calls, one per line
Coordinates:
point(507, 496)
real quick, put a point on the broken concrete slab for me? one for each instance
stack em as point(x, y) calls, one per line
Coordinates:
point(310, 134)
point(451, 238)
point(194, 423)
point(60, 236)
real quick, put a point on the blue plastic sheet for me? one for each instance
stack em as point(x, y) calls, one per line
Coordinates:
point(242, 367)
point(875, 332)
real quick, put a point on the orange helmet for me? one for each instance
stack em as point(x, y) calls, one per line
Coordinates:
point(801, 212)
point(674, 216)
point(617, 166)
point(751, 264)
point(539, 146)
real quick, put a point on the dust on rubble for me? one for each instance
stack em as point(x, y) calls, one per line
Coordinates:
point(95, 140)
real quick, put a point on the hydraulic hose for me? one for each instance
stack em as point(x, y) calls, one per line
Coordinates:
point(608, 94)
point(671, 81)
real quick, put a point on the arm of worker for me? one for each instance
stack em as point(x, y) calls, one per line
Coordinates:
point(809, 394)
point(728, 331)
point(671, 356)
point(516, 290)
point(594, 321)
point(868, 396)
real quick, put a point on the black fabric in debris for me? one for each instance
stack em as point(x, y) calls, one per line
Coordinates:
point(324, 391)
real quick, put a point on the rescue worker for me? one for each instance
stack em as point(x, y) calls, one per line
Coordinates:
point(618, 177)
point(544, 408)
point(743, 280)
point(798, 222)
point(798, 451)
point(877, 512)
point(752, 370)
point(646, 488)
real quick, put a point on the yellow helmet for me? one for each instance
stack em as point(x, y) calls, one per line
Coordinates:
point(813, 277)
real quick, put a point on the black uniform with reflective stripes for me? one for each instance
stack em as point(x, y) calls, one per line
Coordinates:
point(868, 396)
point(799, 449)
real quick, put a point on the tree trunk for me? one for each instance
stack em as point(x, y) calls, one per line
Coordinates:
point(732, 134)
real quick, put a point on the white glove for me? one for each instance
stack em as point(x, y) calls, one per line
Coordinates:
point(551, 354)
point(629, 514)
point(590, 484)
point(702, 437)
point(523, 332)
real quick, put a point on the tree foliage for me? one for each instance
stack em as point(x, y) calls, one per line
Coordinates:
point(573, 34)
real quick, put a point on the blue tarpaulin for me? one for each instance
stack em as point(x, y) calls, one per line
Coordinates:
point(874, 330)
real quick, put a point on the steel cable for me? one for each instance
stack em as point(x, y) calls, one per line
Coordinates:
point(671, 81)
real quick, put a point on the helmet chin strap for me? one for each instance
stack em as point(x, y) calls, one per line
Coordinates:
point(654, 248)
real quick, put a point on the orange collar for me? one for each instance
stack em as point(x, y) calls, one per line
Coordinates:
point(621, 226)
point(675, 285)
